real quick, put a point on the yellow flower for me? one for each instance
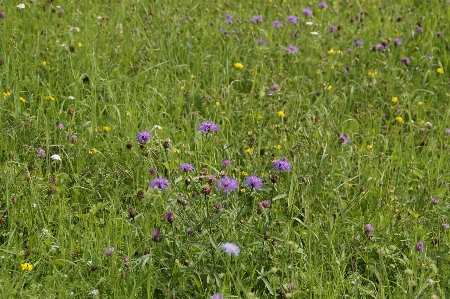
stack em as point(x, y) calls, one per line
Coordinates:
point(6, 94)
point(331, 52)
point(50, 98)
point(370, 106)
point(281, 114)
point(277, 147)
point(369, 147)
point(93, 151)
point(332, 67)
point(106, 128)
point(400, 119)
point(244, 173)
point(318, 72)
point(421, 103)
point(250, 132)
point(217, 104)
point(259, 117)
point(128, 113)
point(175, 150)
point(440, 71)
point(26, 267)
point(79, 45)
point(238, 65)
point(372, 74)
point(340, 52)
point(249, 151)
point(394, 100)
point(421, 122)
point(44, 63)
point(181, 87)
point(22, 100)
point(330, 87)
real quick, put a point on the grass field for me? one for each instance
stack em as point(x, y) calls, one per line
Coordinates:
point(224, 149)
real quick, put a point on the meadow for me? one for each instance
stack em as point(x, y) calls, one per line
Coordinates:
point(224, 149)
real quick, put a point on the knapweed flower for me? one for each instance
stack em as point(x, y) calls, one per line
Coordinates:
point(238, 65)
point(378, 47)
point(218, 207)
point(277, 24)
point(270, 93)
point(282, 165)
point(400, 120)
point(40, 153)
point(26, 267)
point(292, 49)
point(156, 235)
point(229, 18)
point(439, 34)
point(160, 183)
point(230, 248)
point(323, 5)
point(261, 41)
point(358, 42)
point(368, 230)
point(307, 12)
point(227, 185)
point(226, 162)
point(445, 225)
point(397, 41)
point(447, 132)
point(344, 138)
point(332, 28)
point(265, 203)
point(169, 217)
point(207, 126)
point(257, 19)
point(292, 20)
point(419, 29)
point(185, 167)
point(216, 296)
point(109, 251)
point(73, 139)
point(420, 246)
point(143, 136)
point(434, 201)
point(440, 71)
point(2, 15)
point(275, 86)
point(405, 61)
point(153, 171)
point(55, 157)
point(60, 126)
point(253, 182)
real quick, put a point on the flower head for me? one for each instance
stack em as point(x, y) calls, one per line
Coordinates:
point(282, 165)
point(275, 86)
point(207, 126)
point(368, 229)
point(169, 216)
point(21, 6)
point(74, 139)
point(419, 29)
point(445, 225)
point(109, 251)
point(323, 5)
point(2, 15)
point(185, 167)
point(26, 267)
point(405, 61)
point(344, 138)
point(261, 41)
point(253, 182)
point(156, 235)
point(216, 296)
point(55, 157)
point(358, 42)
point(160, 183)
point(230, 248)
point(265, 203)
point(439, 34)
point(447, 132)
point(440, 71)
point(420, 246)
point(143, 137)
point(277, 24)
point(40, 153)
point(434, 201)
point(332, 28)
point(292, 20)
point(292, 49)
point(226, 162)
point(307, 12)
point(257, 19)
point(60, 126)
point(227, 184)
point(397, 41)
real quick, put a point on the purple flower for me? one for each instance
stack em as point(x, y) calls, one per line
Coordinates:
point(216, 296)
point(439, 34)
point(226, 162)
point(60, 126)
point(292, 286)
point(207, 126)
point(405, 61)
point(270, 93)
point(275, 86)
point(429, 54)
point(332, 28)
point(227, 184)
point(292, 20)
point(257, 19)
point(378, 47)
point(190, 231)
point(323, 5)
point(156, 235)
point(277, 24)
point(73, 138)
point(169, 216)
point(218, 207)
point(265, 203)
point(419, 29)
point(261, 41)
point(397, 41)
point(434, 201)
point(153, 171)
point(358, 42)
point(40, 153)
point(2, 15)
point(282, 165)
point(223, 31)
point(229, 18)
point(186, 167)
point(159, 183)
point(349, 51)
point(344, 138)
point(253, 182)
point(447, 131)
point(307, 12)
point(109, 251)
point(368, 229)
point(61, 11)
point(445, 225)
point(292, 49)
point(420, 246)
point(143, 137)
point(230, 248)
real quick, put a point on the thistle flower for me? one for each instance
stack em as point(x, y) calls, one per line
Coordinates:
point(292, 20)
point(323, 5)
point(261, 41)
point(445, 225)
point(282, 165)
point(277, 24)
point(405, 61)
point(109, 251)
point(156, 235)
point(253, 182)
point(344, 138)
point(275, 86)
point(60, 126)
point(307, 12)
point(185, 167)
point(368, 228)
point(230, 248)
point(332, 28)
point(2, 15)
point(160, 183)
point(419, 29)
point(397, 41)
point(169, 217)
point(358, 42)
point(292, 49)
point(434, 201)
point(420, 246)
point(143, 137)
point(73, 138)
point(40, 153)
point(265, 203)
point(257, 19)
point(227, 184)
point(439, 34)
point(226, 162)
point(207, 126)
point(216, 296)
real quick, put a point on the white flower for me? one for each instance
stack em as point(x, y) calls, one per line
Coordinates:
point(55, 157)
point(34, 205)
point(314, 33)
point(93, 293)
point(72, 28)
point(71, 97)
point(21, 6)
point(428, 124)
point(157, 127)
point(309, 23)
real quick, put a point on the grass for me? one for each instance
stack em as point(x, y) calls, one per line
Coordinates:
point(108, 70)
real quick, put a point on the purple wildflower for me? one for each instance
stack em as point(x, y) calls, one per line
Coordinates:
point(218, 207)
point(2, 15)
point(185, 167)
point(207, 126)
point(109, 251)
point(420, 246)
point(307, 12)
point(216, 296)
point(223, 31)
point(405, 61)
point(344, 138)
point(368, 229)
point(230, 248)
point(153, 171)
point(190, 231)
point(265, 203)
point(439, 34)
point(156, 235)
point(349, 51)
point(445, 225)
point(323, 5)
point(143, 137)
point(282, 165)
point(292, 49)
point(40, 153)
point(292, 20)
point(332, 28)
point(378, 47)
point(159, 183)
point(226, 162)
point(261, 41)
point(429, 54)
point(275, 86)
point(277, 24)
point(73, 138)
point(397, 41)
point(419, 29)
point(229, 18)
point(61, 11)
point(270, 93)
point(227, 184)
point(169, 216)
point(253, 182)
point(447, 131)
point(292, 286)
point(434, 201)
point(358, 42)
point(257, 19)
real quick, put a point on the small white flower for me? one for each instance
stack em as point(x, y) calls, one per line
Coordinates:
point(71, 97)
point(72, 28)
point(34, 205)
point(93, 293)
point(428, 124)
point(314, 33)
point(309, 23)
point(55, 157)
point(21, 6)
point(157, 127)
point(89, 263)
point(63, 45)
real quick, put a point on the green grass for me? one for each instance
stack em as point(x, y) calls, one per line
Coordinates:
point(107, 70)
